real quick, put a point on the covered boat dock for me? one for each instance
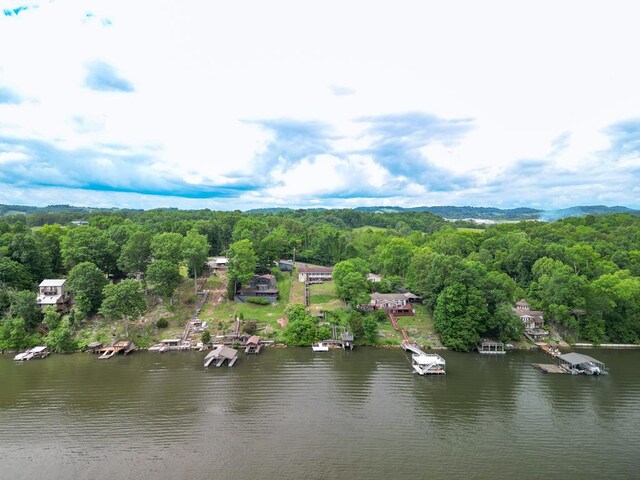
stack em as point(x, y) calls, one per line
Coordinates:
point(578, 363)
point(219, 354)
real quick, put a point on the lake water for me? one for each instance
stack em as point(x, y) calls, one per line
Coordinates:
point(293, 414)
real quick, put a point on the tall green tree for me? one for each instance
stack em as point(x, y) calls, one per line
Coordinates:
point(136, 253)
point(14, 275)
point(123, 301)
point(163, 277)
point(167, 246)
point(86, 282)
point(242, 264)
point(195, 249)
point(459, 314)
point(89, 244)
point(24, 306)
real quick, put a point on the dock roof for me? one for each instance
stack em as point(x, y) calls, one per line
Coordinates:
point(577, 358)
point(222, 351)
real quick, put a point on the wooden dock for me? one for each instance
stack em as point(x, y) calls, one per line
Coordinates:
point(549, 368)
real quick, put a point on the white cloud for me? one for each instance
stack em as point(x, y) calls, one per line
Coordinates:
point(524, 74)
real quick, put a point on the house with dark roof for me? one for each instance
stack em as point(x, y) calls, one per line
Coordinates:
point(260, 286)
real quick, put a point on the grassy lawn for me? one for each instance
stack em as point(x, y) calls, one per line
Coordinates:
point(472, 230)
point(323, 297)
point(419, 327)
point(221, 317)
point(297, 289)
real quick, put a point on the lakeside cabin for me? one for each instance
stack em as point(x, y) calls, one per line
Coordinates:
point(219, 355)
point(577, 363)
point(489, 346)
point(53, 292)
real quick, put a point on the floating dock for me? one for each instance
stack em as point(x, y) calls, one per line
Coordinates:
point(549, 368)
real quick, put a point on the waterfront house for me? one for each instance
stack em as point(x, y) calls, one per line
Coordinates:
point(395, 303)
point(260, 286)
point(53, 292)
point(489, 346)
point(533, 320)
point(314, 274)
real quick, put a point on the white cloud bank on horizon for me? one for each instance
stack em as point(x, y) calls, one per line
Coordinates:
point(249, 104)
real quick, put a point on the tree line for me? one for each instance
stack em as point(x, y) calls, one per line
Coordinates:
point(584, 273)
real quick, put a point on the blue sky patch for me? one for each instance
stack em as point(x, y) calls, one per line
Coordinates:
point(102, 77)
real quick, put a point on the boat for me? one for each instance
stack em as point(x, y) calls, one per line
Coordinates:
point(35, 352)
point(428, 364)
point(320, 347)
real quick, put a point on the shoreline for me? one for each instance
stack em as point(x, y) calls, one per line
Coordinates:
point(610, 346)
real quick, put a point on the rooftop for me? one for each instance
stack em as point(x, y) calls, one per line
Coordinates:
point(58, 282)
point(314, 269)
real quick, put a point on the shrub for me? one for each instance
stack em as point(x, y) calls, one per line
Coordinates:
point(162, 323)
point(206, 336)
point(250, 326)
point(258, 301)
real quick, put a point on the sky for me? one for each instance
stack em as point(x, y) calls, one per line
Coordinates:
point(248, 104)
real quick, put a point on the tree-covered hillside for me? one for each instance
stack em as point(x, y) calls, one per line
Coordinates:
point(584, 273)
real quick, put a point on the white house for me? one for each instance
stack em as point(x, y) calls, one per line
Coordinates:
point(314, 274)
point(53, 292)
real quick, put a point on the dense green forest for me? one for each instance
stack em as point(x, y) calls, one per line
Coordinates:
point(584, 273)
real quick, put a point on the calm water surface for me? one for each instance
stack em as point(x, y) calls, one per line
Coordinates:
point(292, 414)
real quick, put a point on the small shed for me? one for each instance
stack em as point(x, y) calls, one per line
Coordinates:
point(218, 355)
point(491, 346)
point(583, 364)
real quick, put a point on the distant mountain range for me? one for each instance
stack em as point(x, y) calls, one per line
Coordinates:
point(448, 212)
point(488, 213)
point(510, 214)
